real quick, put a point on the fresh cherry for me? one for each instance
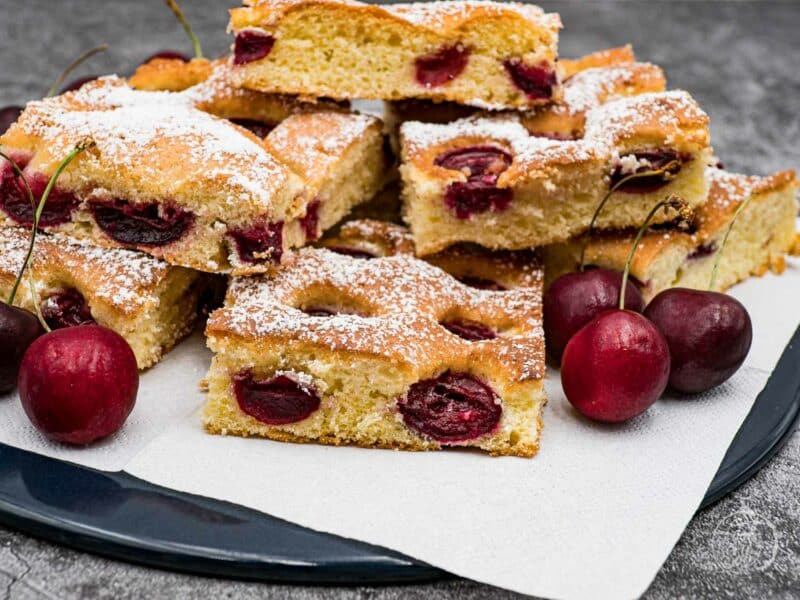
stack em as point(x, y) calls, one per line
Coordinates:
point(258, 243)
point(78, 384)
point(536, 81)
point(250, 45)
point(454, 407)
point(18, 330)
point(277, 401)
point(142, 224)
point(471, 331)
point(442, 66)
point(708, 333)
point(574, 299)
point(67, 308)
point(615, 367)
point(8, 116)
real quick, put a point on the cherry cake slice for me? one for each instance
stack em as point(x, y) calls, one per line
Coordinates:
point(486, 54)
point(165, 177)
point(365, 344)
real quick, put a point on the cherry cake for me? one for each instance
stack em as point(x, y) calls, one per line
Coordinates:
point(492, 181)
point(486, 54)
point(349, 347)
point(763, 234)
point(148, 302)
point(196, 190)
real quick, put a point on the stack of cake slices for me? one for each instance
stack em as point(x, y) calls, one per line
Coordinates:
point(256, 174)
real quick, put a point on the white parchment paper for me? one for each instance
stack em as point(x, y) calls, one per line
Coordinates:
point(593, 515)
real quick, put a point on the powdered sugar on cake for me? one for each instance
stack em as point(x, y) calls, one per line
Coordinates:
point(405, 298)
point(122, 278)
point(128, 127)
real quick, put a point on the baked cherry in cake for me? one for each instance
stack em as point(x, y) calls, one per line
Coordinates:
point(208, 195)
point(492, 181)
point(389, 351)
point(436, 50)
point(151, 304)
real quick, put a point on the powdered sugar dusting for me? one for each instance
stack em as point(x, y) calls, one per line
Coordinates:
point(605, 124)
point(436, 15)
point(123, 278)
point(129, 127)
point(402, 300)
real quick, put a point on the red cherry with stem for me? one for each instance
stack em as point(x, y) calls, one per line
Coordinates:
point(709, 333)
point(18, 330)
point(79, 384)
point(617, 365)
point(169, 55)
point(174, 54)
point(574, 299)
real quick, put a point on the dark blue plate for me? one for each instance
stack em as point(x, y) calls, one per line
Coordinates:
point(123, 517)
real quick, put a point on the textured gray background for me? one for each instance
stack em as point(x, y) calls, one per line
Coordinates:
point(739, 59)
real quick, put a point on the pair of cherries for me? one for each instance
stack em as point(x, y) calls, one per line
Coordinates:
point(617, 358)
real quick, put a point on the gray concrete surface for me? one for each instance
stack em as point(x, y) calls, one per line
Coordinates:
point(739, 59)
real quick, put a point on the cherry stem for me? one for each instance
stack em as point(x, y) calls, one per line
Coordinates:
point(587, 237)
point(27, 263)
point(176, 10)
point(670, 202)
point(736, 214)
point(72, 66)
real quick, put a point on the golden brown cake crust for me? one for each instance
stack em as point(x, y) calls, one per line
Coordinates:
point(403, 322)
point(441, 17)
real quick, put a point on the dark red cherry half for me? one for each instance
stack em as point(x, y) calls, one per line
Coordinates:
point(259, 243)
point(451, 408)
point(657, 158)
point(150, 224)
point(66, 308)
point(708, 333)
point(441, 67)
point(18, 329)
point(615, 367)
point(536, 81)
point(574, 299)
point(9, 116)
point(475, 161)
point(250, 45)
point(169, 55)
point(310, 222)
point(279, 400)
point(259, 128)
point(470, 330)
point(15, 203)
point(476, 196)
